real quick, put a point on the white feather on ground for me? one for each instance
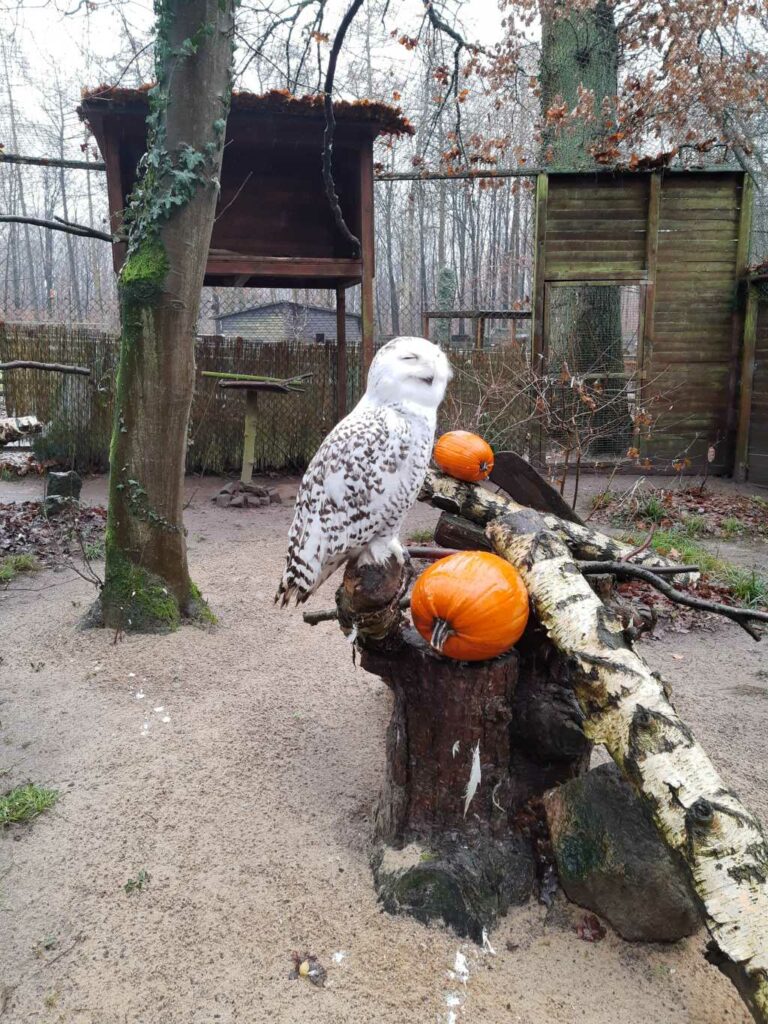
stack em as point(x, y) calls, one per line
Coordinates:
point(474, 778)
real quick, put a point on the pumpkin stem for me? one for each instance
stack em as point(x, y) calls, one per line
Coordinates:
point(440, 633)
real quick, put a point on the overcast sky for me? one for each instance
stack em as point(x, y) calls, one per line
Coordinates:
point(79, 44)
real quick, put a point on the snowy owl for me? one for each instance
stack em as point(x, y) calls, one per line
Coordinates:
point(368, 471)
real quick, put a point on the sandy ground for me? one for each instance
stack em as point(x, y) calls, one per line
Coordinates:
point(237, 766)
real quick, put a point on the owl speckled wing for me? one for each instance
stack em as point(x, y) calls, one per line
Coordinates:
point(356, 488)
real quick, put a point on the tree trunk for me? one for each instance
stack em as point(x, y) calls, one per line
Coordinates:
point(445, 849)
point(170, 219)
point(581, 50)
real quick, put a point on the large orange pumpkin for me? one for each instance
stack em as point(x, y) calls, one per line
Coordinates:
point(464, 455)
point(470, 606)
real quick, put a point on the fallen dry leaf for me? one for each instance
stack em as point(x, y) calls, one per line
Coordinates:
point(590, 929)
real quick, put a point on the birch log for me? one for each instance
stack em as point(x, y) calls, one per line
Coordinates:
point(14, 428)
point(626, 709)
point(482, 506)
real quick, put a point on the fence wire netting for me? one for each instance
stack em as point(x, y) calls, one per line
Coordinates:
point(454, 259)
point(441, 246)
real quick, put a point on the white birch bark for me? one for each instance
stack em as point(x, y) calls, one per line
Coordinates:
point(627, 710)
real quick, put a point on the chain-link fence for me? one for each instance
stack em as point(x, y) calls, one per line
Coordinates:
point(453, 260)
point(78, 410)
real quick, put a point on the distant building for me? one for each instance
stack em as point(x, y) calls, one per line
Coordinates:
point(286, 321)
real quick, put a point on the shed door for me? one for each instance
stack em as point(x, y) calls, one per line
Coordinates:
point(758, 429)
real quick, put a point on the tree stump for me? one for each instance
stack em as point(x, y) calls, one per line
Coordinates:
point(443, 850)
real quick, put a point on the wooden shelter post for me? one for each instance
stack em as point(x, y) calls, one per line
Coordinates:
point(745, 396)
point(249, 436)
point(368, 256)
point(738, 331)
point(341, 354)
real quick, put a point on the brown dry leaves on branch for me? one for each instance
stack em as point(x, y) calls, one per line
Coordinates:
point(694, 71)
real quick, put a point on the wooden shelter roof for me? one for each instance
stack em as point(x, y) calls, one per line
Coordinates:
point(378, 118)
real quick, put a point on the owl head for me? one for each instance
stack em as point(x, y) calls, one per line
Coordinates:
point(409, 369)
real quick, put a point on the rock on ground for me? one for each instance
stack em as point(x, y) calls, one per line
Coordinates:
point(611, 860)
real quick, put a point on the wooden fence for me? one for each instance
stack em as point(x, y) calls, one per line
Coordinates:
point(78, 410)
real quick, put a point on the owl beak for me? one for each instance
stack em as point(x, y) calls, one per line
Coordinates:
point(428, 380)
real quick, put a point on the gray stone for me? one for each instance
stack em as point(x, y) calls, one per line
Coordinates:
point(222, 500)
point(274, 496)
point(257, 489)
point(55, 504)
point(63, 485)
point(611, 860)
point(231, 488)
point(467, 882)
point(238, 501)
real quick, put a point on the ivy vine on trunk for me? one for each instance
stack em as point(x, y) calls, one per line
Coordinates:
point(169, 220)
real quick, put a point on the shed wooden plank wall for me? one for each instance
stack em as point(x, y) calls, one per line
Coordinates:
point(758, 430)
point(676, 233)
point(595, 226)
point(688, 357)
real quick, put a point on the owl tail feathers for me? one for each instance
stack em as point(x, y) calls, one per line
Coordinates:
point(288, 589)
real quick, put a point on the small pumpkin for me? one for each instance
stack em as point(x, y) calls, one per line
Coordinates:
point(464, 455)
point(470, 606)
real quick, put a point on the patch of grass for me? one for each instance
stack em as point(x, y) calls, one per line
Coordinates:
point(25, 803)
point(733, 527)
point(12, 565)
point(421, 536)
point(747, 586)
point(136, 884)
point(651, 507)
point(694, 526)
point(94, 551)
point(603, 499)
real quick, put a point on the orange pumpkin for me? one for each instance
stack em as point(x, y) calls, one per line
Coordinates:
point(470, 606)
point(464, 455)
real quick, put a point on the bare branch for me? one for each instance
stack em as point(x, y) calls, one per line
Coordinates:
point(65, 226)
point(31, 364)
point(742, 616)
point(330, 128)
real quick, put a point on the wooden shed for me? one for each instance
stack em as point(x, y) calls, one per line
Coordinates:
point(274, 227)
point(680, 237)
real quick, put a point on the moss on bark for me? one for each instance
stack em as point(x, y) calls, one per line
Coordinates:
point(134, 598)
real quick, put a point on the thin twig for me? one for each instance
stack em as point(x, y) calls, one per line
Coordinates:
point(643, 547)
point(312, 618)
point(234, 197)
point(431, 552)
point(742, 616)
point(595, 568)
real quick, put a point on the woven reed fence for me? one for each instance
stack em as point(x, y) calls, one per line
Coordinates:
point(484, 396)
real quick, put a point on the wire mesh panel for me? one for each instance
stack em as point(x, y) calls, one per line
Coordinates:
point(589, 388)
point(490, 394)
point(451, 244)
point(78, 411)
